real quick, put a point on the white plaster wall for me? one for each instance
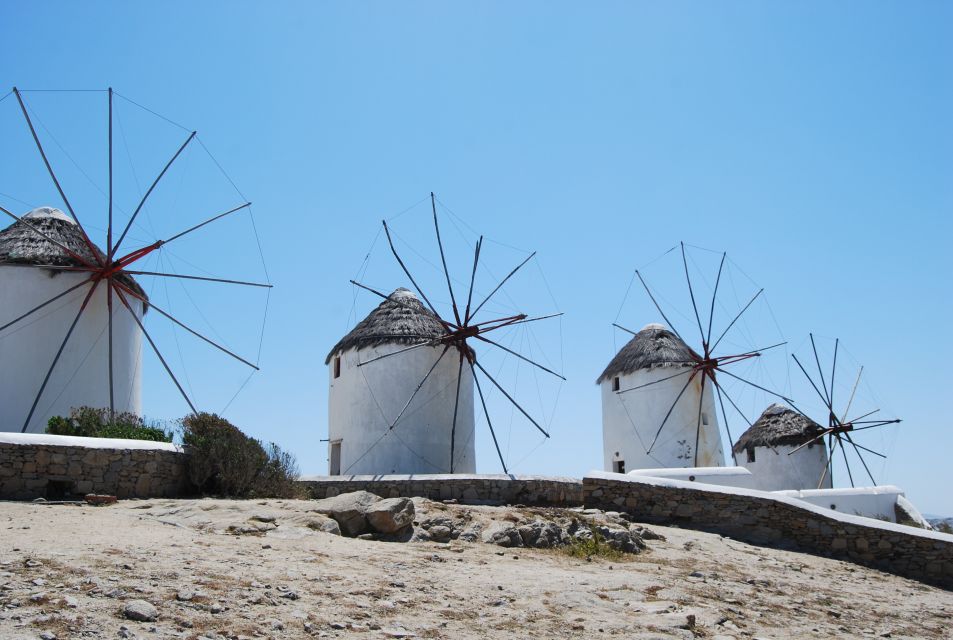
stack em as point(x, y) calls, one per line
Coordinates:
point(721, 476)
point(50, 440)
point(363, 402)
point(774, 470)
point(81, 376)
point(870, 502)
point(630, 421)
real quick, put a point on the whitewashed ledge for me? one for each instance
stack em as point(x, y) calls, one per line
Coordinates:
point(51, 440)
point(433, 477)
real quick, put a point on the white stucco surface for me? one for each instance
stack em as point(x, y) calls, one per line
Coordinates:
point(27, 349)
point(778, 469)
point(88, 443)
point(630, 421)
point(364, 401)
point(721, 476)
point(872, 502)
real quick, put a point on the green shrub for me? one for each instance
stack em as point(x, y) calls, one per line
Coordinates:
point(594, 545)
point(96, 423)
point(224, 461)
point(944, 527)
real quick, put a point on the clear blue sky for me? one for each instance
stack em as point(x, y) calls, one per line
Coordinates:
point(812, 141)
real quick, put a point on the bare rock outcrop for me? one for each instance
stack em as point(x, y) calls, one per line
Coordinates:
point(391, 515)
point(349, 510)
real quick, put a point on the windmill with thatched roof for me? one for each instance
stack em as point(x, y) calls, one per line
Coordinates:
point(771, 450)
point(659, 393)
point(71, 313)
point(47, 237)
point(402, 381)
point(653, 364)
point(363, 398)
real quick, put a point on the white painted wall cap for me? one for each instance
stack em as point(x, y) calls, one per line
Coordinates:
point(669, 472)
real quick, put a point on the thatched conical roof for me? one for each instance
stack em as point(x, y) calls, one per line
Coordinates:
point(21, 244)
point(778, 425)
point(401, 319)
point(653, 346)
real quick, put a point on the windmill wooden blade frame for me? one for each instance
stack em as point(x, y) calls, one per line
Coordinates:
point(112, 268)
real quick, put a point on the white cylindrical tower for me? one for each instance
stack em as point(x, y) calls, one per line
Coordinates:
point(365, 400)
point(767, 451)
point(633, 420)
point(28, 347)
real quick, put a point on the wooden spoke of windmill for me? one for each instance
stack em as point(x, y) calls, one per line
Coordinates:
point(457, 335)
point(71, 250)
point(706, 363)
point(840, 428)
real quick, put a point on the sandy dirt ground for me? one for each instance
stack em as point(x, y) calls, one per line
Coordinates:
point(69, 571)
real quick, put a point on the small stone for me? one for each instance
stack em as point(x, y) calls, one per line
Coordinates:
point(39, 582)
point(47, 635)
point(70, 602)
point(140, 610)
point(263, 517)
point(38, 597)
point(215, 608)
point(440, 533)
point(397, 632)
point(338, 625)
point(290, 595)
point(184, 595)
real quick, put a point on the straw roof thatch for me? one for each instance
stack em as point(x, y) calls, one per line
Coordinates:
point(653, 346)
point(401, 319)
point(21, 244)
point(778, 425)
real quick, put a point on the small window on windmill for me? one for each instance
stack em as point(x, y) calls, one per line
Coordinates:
point(619, 465)
point(337, 366)
point(615, 383)
point(705, 419)
point(750, 454)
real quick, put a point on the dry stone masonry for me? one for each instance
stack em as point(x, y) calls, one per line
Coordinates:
point(53, 467)
point(464, 488)
point(761, 518)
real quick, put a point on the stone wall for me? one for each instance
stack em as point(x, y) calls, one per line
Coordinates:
point(57, 467)
point(762, 518)
point(464, 488)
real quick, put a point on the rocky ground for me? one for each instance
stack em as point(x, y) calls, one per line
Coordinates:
point(279, 569)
